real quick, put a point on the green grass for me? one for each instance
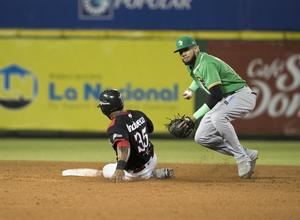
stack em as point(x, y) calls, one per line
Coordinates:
point(168, 151)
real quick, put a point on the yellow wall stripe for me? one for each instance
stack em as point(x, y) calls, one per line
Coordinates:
point(208, 35)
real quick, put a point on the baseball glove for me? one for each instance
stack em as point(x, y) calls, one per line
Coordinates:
point(180, 126)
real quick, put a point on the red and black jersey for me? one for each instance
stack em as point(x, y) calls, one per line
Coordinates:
point(132, 128)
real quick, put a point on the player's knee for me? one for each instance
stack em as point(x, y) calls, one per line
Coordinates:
point(202, 139)
point(108, 170)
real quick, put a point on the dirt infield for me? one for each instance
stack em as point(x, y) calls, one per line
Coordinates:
point(36, 190)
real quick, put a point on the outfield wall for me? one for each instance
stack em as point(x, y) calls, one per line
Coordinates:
point(272, 68)
point(54, 84)
point(57, 56)
point(274, 15)
point(51, 79)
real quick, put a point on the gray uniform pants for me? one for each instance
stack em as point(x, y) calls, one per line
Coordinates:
point(215, 130)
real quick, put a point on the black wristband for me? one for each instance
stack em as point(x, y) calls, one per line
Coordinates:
point(121, 164)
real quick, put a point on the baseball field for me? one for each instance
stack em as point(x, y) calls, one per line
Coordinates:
point(206, 184)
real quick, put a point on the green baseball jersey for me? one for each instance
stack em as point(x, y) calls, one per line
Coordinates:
point(209, 71)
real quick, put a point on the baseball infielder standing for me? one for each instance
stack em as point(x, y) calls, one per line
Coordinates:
point(228, 98)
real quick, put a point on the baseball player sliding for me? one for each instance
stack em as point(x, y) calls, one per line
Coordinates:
point(129, 135)
point(228, 98)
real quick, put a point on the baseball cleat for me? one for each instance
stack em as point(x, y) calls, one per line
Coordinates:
point(253, 160)
point(244, 169)
point(170, 173)
point(164, 173)
point(253, 154)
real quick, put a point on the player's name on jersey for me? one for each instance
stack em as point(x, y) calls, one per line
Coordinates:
point(136, 124)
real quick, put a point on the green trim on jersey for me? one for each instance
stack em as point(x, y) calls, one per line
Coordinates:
point(210, 71)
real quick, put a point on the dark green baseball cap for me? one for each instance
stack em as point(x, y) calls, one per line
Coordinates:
point(184, 42)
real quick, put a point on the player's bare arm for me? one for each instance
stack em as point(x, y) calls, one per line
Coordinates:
point(123, 155)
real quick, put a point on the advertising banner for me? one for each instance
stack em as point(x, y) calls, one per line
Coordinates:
point(151, 14)
point(273, 69)
point(54, 84)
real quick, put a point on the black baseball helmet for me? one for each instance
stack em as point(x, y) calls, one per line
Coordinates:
point(110, 101)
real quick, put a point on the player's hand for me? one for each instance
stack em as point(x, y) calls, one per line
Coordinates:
point(188, 122)
point(118, 176)
point(187, 94)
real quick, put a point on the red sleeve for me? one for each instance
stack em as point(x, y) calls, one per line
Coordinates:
point(122, 143)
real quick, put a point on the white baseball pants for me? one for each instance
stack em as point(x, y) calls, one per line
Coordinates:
point(215, 130)
point(109, 169)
